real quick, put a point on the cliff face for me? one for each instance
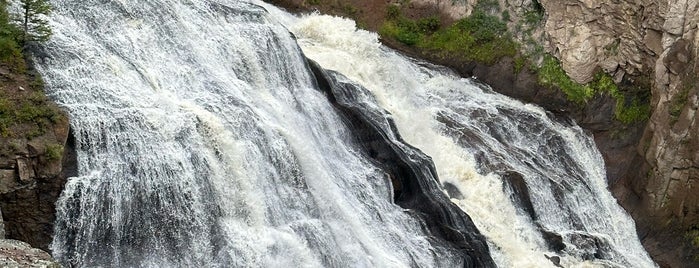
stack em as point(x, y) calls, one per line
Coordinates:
point(658, 40)
point(34, 149)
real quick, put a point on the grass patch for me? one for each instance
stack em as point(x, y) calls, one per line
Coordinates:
point(480, 37)
point(693, 236)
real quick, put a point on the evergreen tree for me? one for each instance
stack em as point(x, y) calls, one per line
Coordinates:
point(10, 50)
point(32, 21)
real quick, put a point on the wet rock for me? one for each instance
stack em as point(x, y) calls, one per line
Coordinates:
point(555, 260)
point(452, 191)
point(519, 192)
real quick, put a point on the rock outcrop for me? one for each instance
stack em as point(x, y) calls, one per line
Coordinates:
point(18, 254)
point(31, 182)
point(658, 40)
point(34, 148)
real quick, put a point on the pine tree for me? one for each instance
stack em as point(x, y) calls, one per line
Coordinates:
point(32, 21)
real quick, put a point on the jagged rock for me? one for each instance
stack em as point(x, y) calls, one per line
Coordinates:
point(25, 171)
point(14, 253)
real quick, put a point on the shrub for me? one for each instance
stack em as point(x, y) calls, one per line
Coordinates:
point(54, 152)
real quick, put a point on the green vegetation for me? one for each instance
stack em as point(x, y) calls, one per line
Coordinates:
point(54, 152)
point(24, 110)
point(480, 37)
point(552, 74)
point(679, 100)
point(484, 37)
point(693, 236)
point(32, 20)
point(627, 110)
point(10, 48)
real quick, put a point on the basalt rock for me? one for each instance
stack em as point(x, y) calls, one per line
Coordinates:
point(412, 173)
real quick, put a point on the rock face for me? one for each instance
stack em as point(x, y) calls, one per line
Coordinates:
point(660, 40)
point(30, 183)
point(33, 150)
point(18, 254)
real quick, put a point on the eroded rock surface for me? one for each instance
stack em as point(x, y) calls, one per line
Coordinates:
point(18, 254)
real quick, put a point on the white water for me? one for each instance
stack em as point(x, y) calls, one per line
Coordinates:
point(202, 142)
point(435, 110)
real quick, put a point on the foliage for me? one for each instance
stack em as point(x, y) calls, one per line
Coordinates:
point(480, 37)
point(483, 27)
point(32, 21)
point(54, 152)
point(519, 63)
point(505, 16)
point(10, 50)
point(552, 74)
point(487, 6)
point(393, 12)
point(627, 109)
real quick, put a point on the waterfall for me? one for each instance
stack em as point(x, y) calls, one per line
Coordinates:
point(205, 139)
point(534, 185)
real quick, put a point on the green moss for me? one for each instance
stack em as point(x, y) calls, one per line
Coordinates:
point(488, 6)
point(693, 236)
point(679, 100)
point(519, 63)
point(552, 74)
point(627, 109)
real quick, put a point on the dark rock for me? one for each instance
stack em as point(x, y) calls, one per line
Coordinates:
point(452, 191)
point(519, 192)
point(29, 209)
point(678, 57)
point(555, 260)
point(8, 180)
point(416, 184)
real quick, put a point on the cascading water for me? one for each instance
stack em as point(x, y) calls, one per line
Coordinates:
point(203, 139)
point(534, 186)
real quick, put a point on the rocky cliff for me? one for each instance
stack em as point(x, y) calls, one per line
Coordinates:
point(649, 48)
point(657, 39)
point(34, 147)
